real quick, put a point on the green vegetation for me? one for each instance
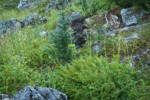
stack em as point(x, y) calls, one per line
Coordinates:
point(95, 78)
point(26, 58)
point(127, 3)
point(61, 41)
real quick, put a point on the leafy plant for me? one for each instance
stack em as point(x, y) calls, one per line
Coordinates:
point(14, 75)
point(94, 78)
point(94, 6)
point(27, 44)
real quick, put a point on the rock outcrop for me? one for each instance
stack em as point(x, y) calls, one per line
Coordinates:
point(56, 5)
point(11, 24)
point(26, 4)
point(14, 24)
point(5, 97)
point(36, 93)
point(33, 19)
point(116, 20)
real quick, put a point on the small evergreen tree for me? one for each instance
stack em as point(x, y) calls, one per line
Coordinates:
point(61, 39)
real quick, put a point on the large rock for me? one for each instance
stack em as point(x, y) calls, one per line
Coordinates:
point(14, 24)
point(11, 24)
point(26, 4)
point(5, 97)
point(131, 16)
point(36, 93)
point(8, 5)
point(53, 4)
point(74, 16)
point(107, 19)
point(56, 5)
point(118, 20)
point(128, 17)
point(33, 19)
point(106, 23)
point(95, 21)
point(76, 21)
point(23, 4)
point(39, 93)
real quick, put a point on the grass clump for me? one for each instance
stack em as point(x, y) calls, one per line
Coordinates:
point(14, 75)
point(28, 45)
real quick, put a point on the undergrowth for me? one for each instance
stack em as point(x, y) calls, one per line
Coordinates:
point(26, 58)
point(95, 78)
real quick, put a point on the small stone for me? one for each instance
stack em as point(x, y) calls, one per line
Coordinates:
point(96, 48)
point(43, 33)
point(43, 20)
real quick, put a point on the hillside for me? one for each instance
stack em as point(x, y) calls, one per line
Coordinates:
point(87, 49)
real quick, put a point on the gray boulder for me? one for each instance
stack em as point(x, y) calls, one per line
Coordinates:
point(23, 4)
point(39, 93)
point(5, 97)
point(131, 16)
point(26, 4)
point(56, 5)
point(36, 93)
point(128, 17)
point(53, 5)
point(12, 24)
point(33, 19)
point(74, 16)
point(76, 21)
point(8, 5)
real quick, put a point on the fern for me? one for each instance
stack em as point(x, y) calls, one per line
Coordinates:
point(92, 77)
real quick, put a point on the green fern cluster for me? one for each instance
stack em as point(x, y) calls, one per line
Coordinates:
point(94, 78)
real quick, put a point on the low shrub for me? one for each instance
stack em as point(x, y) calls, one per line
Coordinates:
point(27, 44)
point(14, 75)
point(94, 78)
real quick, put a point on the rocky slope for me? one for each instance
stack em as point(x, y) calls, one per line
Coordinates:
point(120, 25)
